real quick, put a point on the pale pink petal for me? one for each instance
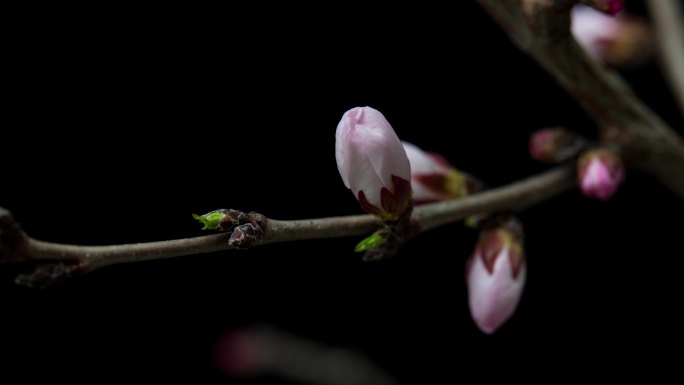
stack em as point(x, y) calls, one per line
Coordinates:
point(342, 137)
point(381, 144)
point(623, 41)
point(423, 194)
point(593, 30)
point(369, 153)
point(421, 161)
point(494, 297)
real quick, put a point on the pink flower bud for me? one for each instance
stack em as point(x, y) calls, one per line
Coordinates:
point(495, 275)
point(373, 163)
point(621, 41)
point(610, 7)
point(600, 173)
point(554, 145)
point(433, 179)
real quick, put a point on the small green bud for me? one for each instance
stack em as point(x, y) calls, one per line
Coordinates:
point(369, 243)
point(211, 221)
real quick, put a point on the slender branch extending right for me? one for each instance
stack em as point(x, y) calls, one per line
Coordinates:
point(15, 245)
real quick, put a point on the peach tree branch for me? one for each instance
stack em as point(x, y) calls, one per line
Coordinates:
point(63, 260)
point(541, 29)
point(669, 24)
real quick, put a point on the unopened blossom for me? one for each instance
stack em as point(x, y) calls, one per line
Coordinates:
point(373, 163)
point(600, 174)
point(619, 41)
point(434, 179)
point(554, 145)
point(495, 275)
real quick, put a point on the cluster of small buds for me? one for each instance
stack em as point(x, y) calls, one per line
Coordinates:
point(600, 171)
point(245, 228)
point(370, 155)
point(387, 176)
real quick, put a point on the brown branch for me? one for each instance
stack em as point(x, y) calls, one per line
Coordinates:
point(669, 24)
point(17, 246)
point(541, 28)
point(513, 197)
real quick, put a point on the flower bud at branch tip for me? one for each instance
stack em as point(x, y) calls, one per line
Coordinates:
point(373, 163)
point(496, 274)
point(600, 173)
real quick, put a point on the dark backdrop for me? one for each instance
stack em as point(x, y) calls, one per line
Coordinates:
point(121, 123)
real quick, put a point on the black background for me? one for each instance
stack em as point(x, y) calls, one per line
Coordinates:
point(120, 123)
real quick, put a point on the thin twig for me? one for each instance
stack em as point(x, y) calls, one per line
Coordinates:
point(513, 197)
point(669, 24)
point(541, 28)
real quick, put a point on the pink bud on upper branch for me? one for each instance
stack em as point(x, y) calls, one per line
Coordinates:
point(620, 41)
point(600, 173)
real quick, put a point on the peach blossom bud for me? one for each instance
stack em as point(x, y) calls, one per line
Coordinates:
point(600, 173)
point(495, 275)
point(373, 163)
point(555, 145)
point(620, 41)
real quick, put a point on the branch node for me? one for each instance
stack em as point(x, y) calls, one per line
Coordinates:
point(244, 236)
point(393, 235)
point(245, 228)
